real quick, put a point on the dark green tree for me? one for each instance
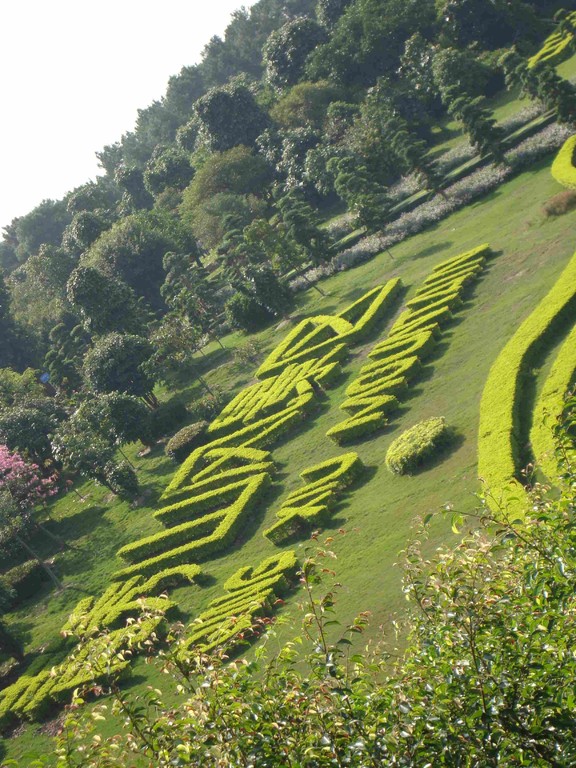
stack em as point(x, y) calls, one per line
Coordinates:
point(361, 192)
point(484, 134)
point(287, 50)
point(541, 83)
point(329, 11)
point(104, 304)
point(26, 427)
point(168, 167)
point(230, 116)
point(117, 362)
point(63, 361)
point(79, 448)
point(302, 224)
point(130, 179)
point(188, 290)
point(84, 229)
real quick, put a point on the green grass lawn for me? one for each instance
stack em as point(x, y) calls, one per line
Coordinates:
point(377, 515)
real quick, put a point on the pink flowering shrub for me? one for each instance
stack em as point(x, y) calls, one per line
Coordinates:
point(24, 480)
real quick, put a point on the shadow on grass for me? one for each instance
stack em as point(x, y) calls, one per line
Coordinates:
point(432, 249)
point(77, 525)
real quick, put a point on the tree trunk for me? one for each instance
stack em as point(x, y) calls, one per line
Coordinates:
point(126, 458)
point(61, 543)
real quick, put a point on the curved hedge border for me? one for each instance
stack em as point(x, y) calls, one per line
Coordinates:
point(396, 361)
point(563, 168)
point(417, 444)
point(311, 506)
point(498, 447)
point(550, 405)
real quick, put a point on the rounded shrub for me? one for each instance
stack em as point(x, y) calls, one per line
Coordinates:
point(416, 445)
point(186, 440)
point(24, 580)
point(246, 314)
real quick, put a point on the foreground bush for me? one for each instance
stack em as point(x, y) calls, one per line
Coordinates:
point(487, 677)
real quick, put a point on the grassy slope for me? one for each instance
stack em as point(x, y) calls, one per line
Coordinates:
point(378, 514)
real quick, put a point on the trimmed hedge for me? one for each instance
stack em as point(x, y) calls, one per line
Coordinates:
point(273, 394)
point(416, 445)
point(52, 677)
point(564, 165)
point(550, 405)
point(398, 359)
point(25, 579)
point(420, 344)
point(349, 327)
point(311, 506)
point(252, 592)
point(186, 440)
point(499, 431)
point(557, 47)
point(468, 258)
point(209, 534)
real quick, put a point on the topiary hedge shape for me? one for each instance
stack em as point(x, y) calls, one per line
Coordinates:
point(416, 445)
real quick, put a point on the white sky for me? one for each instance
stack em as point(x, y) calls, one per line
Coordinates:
point(72, 75)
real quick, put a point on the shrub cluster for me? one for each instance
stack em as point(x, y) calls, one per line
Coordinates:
point(398, 359)
point(311, 506)
point(417, 444)
point(24, 580)
point(500, 419)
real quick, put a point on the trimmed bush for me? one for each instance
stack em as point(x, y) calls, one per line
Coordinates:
point(186, 440)
point(25, 580)
point(163, 421)
point(246, 314)
point(550, 405)
point(416, 445)
point(564, 165)
point(499, 430)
